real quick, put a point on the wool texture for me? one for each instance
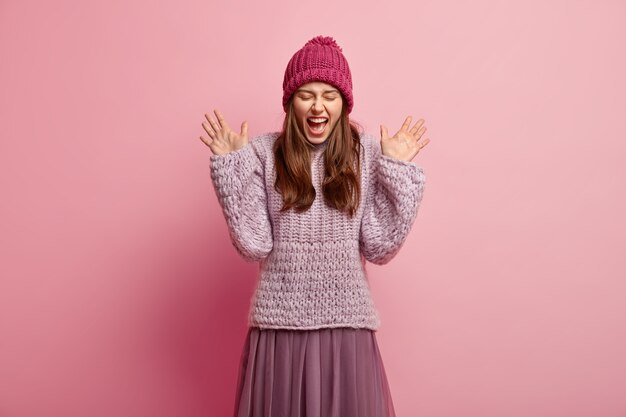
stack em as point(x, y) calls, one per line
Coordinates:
point(312, 270)
point(320, 59)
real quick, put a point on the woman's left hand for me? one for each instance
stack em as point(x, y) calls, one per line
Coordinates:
point(406, 143)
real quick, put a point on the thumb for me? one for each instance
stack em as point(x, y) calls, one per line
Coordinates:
point(244, 129)
point(383, 132)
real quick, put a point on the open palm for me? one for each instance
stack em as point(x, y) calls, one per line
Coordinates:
point(406, 143)
point(224, 138)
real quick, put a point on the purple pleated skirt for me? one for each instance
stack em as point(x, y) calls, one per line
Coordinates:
point(328, 372)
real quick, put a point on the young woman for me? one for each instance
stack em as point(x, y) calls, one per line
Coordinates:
point(312, 203)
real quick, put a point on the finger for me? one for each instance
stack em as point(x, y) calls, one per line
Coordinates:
point(422, 144)
point(407, 123)
point(383, 132)
point(416, 127)
point(208, 130)
point(221, 119)
point(420, 132)
point(244, 129)
point(206, 142)
point(418, 124)
point(213, 123)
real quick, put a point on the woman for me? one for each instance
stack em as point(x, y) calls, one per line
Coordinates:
point(312, 203)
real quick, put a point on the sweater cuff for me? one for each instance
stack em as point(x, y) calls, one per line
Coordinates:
point(399, 174)
point(231, 171)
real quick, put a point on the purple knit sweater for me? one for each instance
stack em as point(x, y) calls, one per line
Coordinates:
point(312, 264)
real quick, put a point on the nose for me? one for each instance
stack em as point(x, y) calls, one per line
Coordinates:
point(317, 105)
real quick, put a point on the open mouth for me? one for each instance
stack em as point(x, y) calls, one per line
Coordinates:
point(317, 125)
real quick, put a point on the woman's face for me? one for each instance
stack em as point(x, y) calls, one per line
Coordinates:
point(317, 100)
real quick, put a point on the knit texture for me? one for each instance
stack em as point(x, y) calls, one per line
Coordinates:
point(312, 264)
point(320, 59)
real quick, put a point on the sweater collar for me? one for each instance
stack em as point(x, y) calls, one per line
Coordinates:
point(317, 149)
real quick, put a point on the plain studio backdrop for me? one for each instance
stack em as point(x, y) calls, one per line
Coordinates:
point(122, 295)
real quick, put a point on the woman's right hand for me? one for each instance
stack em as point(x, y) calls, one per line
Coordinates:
point(224, 139)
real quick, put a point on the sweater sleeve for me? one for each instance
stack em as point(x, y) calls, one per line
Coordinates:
point(238, 179)
point(394, 193)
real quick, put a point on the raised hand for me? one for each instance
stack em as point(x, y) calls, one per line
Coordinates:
point(224, 139)
point(406, 143)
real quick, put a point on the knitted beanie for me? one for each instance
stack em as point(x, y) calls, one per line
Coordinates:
point(320, 59)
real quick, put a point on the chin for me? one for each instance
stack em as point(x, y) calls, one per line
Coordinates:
point(316, 141)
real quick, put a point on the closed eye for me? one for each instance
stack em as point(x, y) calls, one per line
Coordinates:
point(310, 97)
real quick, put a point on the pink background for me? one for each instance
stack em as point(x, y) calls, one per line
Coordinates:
point(121, 294)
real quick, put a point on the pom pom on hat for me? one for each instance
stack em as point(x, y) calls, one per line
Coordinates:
point(323, 40)
point(320, 59)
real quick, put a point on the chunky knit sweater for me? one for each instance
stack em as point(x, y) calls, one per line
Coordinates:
point(312, 264)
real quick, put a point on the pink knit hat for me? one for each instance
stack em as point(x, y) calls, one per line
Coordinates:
point(320, 59)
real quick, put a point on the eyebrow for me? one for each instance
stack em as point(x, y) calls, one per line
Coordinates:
point(302, 90)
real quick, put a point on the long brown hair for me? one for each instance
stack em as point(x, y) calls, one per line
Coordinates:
point(342, 167)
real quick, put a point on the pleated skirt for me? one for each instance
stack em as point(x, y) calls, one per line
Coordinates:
point(328, 372)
